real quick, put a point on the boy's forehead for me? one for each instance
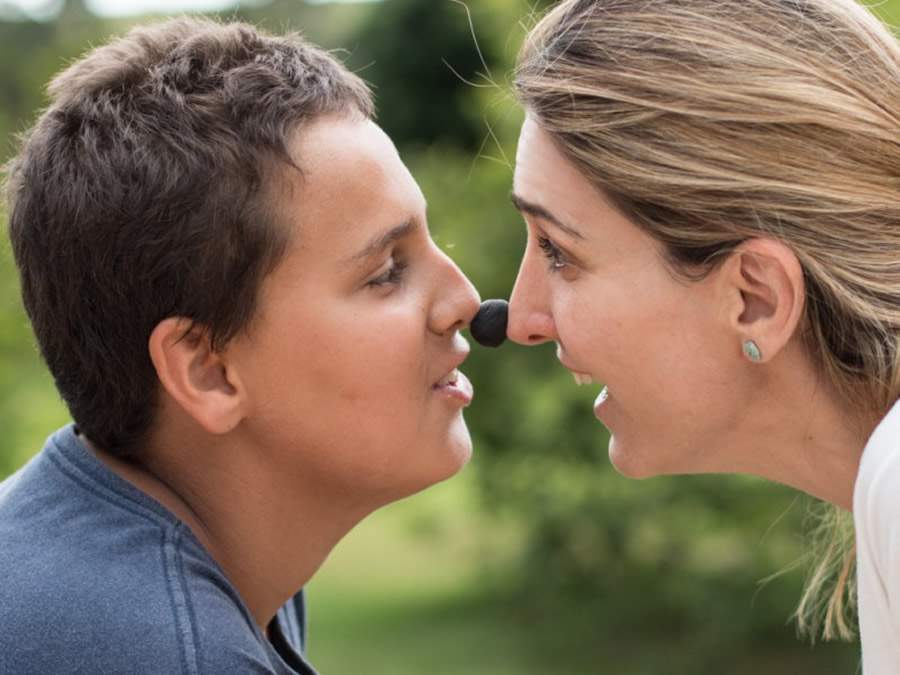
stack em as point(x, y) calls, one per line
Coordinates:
point(351, 181)
point(329, 146)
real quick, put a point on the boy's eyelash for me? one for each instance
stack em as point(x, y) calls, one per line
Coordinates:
point(391, 276)
point(552, 253)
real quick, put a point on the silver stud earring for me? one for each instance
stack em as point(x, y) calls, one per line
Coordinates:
point(751, 351)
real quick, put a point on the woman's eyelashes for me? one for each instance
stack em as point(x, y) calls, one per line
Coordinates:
point(392, 276)
point(553, 254)
point(559, 261)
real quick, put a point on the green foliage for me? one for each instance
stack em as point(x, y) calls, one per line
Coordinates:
point(673, 561)
point(407, 51)
point(492, 634)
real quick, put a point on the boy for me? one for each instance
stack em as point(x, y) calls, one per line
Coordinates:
point(230, 276)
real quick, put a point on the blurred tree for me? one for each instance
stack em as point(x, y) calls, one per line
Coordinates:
point(675, 554)
point(419, 56)
point(332, 26)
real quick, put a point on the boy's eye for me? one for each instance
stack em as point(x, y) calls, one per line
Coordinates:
point(393, 275)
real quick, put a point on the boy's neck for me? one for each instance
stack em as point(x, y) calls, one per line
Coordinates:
point(269, 533)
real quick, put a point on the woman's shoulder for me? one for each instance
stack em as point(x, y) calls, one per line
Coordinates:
point(876, 497)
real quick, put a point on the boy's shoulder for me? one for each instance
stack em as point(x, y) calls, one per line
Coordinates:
point(84, 584)
point(97, 580)
point(77, 620)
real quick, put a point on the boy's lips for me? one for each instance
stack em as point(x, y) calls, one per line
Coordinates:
point(449, 378)
point(459, 354)
point(454, 384)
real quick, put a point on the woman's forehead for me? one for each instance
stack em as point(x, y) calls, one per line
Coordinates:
point(544, 177)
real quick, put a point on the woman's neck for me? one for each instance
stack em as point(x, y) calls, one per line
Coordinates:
point(804, 434)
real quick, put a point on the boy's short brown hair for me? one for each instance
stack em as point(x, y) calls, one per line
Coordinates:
point(141, 193)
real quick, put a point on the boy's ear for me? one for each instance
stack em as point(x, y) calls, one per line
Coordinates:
point(765, 292)
point(195, 376)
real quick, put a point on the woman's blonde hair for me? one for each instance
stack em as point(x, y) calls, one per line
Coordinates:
point(710, 122)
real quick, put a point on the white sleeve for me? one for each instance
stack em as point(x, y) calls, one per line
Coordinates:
point(877, 519)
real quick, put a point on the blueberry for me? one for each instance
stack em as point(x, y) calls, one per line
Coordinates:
point(489, 325)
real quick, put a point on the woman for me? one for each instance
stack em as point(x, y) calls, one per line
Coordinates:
point(712, 196)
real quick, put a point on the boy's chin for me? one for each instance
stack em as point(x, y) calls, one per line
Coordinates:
point(453, 455)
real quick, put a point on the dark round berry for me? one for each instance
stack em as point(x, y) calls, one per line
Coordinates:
point(489, 325)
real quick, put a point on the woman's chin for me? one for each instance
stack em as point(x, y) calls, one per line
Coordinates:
point(630, 463)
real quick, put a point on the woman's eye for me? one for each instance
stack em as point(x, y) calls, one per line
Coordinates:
point(393, 275)
point(553, 254)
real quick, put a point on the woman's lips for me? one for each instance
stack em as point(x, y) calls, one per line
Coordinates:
point(582, 378)
point(599, 402)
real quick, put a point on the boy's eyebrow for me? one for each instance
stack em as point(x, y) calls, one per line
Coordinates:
point(540, 212)
point(382, 240)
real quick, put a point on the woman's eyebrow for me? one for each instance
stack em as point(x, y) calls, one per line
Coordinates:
point(540, 212)
point(381, 241)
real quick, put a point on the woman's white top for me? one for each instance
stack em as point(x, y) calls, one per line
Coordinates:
point(876, 514)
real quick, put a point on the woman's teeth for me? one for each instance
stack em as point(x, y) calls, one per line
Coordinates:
point(449, 378)
point(582, 378)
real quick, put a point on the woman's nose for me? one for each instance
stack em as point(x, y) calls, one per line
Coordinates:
point(530, 320)
point(457, 301)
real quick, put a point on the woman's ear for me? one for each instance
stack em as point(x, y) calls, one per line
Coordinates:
point(766, 292)
point(195, 376)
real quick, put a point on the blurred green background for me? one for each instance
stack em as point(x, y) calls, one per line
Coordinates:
point(539, 558)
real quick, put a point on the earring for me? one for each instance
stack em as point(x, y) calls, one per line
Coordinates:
point(751, 351)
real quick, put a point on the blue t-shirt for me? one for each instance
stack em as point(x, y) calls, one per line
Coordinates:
point(97, 577)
